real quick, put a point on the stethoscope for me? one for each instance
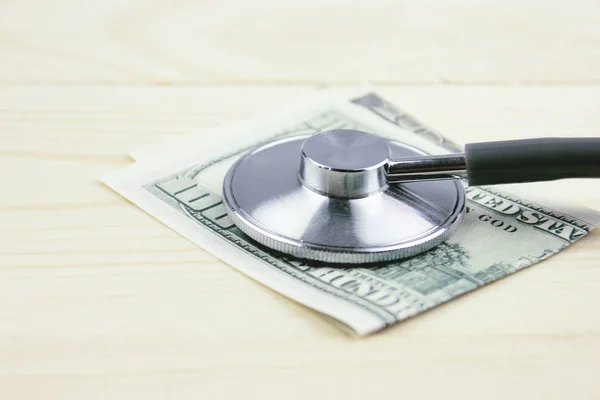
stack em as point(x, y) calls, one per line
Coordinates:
point(346, 196)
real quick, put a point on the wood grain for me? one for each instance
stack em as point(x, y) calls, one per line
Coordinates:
point(300, 42)
point(99, 300)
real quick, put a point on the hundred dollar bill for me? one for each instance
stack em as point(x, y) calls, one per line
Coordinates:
point(180, 185)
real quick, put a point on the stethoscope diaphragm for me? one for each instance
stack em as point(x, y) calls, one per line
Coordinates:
point(326, 198)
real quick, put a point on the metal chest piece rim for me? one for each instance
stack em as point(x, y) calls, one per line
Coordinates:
point(325, 198)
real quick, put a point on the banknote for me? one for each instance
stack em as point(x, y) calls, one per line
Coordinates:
point(502, 232)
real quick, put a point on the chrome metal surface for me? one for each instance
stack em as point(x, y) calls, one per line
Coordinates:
point(426, 168)
point(265, 198)
point(344, 163)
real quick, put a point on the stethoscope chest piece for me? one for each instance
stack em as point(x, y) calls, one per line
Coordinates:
point(326, 198)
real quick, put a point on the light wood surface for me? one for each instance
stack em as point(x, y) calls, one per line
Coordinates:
point(100, 301)
point(308, 41)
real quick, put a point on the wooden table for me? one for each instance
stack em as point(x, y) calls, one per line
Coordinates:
point(99, 300)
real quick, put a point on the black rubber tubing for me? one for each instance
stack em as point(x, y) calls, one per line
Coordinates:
point(530, 160)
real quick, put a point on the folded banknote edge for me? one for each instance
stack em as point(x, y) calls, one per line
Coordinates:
point(360, 322)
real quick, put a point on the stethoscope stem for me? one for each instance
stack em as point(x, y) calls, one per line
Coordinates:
point(510, 161)
point(426, 168)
